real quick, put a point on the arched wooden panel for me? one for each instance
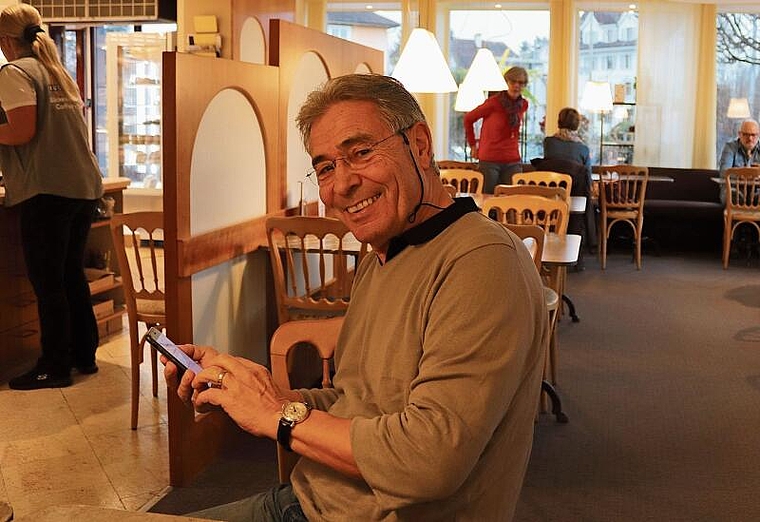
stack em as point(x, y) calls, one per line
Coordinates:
point(262, 11)
point(289, 43)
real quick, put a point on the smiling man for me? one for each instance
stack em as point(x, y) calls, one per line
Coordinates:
point(438, 365)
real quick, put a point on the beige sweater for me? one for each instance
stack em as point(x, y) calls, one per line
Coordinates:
point(439, 366)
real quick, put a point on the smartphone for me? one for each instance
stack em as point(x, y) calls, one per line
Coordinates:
point(172, 352)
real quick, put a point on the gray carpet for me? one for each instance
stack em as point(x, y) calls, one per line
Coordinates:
point(661, 382)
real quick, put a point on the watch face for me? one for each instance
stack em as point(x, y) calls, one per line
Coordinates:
point(295, 411)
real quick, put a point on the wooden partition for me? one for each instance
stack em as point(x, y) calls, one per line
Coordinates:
point(191, 85)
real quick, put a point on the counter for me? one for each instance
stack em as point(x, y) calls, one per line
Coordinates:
point(19, 325)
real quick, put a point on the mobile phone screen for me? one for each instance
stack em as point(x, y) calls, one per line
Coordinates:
point(164, 345)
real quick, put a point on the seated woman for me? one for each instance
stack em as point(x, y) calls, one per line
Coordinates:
point(566, 144)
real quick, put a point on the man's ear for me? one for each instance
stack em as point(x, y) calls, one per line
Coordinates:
point(421, 142)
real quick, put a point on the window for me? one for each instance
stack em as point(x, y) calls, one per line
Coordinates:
point(619, 73)
point(518, 37)
point(341, 31)
point(737, 70)
point(378, 29)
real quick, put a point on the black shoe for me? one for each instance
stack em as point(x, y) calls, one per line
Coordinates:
point(87, 369)
point(37, 379)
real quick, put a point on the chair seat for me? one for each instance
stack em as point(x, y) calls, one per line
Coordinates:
point(551, 298)
point(148, 307)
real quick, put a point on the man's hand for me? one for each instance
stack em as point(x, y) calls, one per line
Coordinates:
point(246, 392)
point(202, 354)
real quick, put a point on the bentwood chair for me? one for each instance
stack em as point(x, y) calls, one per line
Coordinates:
point(464, 180)
point(287, 340)
point(742, 204)
point(622, 189)
point(313, 261)
point(138, 242)
point(533, 238)
point(544, 178)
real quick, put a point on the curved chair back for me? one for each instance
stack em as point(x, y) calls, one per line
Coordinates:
point(533, 190)
point(454, 164)
point(521, 209)
point(464, 180)
point(322, 335)
point(138, 241)
point(313, 260)
point(533, 237)
point(545, 178)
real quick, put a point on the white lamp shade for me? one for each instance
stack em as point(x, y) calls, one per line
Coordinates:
point(597, 97)
point(469, 96)
point(485, 72)
point(738, 108)
point(422, 67)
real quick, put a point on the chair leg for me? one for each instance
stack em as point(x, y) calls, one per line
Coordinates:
point(135, 382)
point(603, 244)
point(639, 229)
point(726, 243)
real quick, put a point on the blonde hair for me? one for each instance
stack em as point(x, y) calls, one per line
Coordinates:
point(22, 22)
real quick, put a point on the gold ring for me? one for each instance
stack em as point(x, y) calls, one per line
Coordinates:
point(220, 378)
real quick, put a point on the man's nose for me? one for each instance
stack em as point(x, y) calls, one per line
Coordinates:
point(345, 176)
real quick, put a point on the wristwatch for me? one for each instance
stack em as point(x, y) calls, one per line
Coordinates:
point(292, 414)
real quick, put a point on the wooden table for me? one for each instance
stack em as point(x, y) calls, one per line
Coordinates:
point(615, 177)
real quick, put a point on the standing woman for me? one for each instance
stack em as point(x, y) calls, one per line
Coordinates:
point(53, 178)
point(498, 149)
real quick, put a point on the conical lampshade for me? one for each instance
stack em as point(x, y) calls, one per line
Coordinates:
point(469, 96)
point(422, 67)
point(485, 72)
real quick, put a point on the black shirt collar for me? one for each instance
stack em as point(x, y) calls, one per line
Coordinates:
point(430, 228)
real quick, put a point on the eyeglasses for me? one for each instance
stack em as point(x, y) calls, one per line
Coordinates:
point(749, 134)
point(358, 158)
point(518, 82)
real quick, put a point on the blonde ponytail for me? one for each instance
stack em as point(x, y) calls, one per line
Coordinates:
point(22, 22)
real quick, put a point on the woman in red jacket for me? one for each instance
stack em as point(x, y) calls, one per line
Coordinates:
point(498, 149)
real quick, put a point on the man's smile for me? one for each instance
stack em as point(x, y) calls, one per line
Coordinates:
point(353, 209)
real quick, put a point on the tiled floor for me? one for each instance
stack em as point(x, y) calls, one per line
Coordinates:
point(74, 445)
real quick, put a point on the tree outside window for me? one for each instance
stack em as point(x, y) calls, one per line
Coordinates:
point(737, 71)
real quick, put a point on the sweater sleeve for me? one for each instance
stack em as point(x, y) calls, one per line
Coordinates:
point(476, 341)
point(470, 118)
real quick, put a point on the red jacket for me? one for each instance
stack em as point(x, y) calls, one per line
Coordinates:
point(499, 141)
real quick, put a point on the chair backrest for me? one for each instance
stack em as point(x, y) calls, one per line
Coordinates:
point(455, 164)
point(545, 178)
point(521, 209)
point(138, 242)
point(622, 187)
point(322, 335)
point(313, 261)
point(534, 190)
point(533, 237)
point(451, 190)
point(742, 189)
point(464, 180)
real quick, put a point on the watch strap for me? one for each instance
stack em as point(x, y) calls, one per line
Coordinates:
point(283, 433)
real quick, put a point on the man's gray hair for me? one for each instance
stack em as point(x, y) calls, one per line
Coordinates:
point(397, 107)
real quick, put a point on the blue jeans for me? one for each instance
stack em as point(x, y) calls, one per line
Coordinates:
point(54, 234)
point(497, 173)
point(278, 504)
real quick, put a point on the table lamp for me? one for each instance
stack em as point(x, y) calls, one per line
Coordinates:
point(597, 97)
